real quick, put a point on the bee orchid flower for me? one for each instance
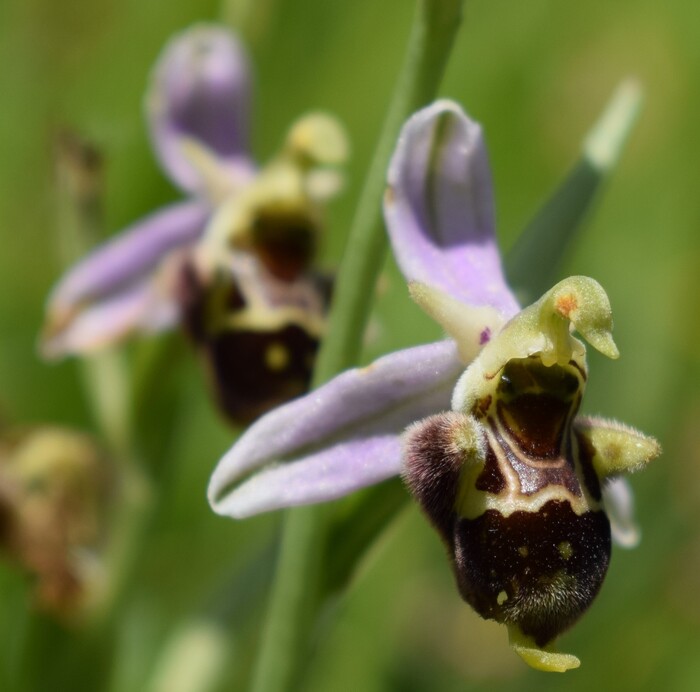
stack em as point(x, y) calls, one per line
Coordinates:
point(197, 107)
point(483, 426)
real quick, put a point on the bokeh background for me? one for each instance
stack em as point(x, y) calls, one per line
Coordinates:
point(536, 75)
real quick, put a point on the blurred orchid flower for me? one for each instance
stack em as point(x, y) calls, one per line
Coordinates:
point(197, 107)
point(495, 454)
point(257, 336)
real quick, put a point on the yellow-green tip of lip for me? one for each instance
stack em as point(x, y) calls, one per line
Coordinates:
point(540, 659)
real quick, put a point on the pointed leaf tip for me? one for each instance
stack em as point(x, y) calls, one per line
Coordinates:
point(605, 141)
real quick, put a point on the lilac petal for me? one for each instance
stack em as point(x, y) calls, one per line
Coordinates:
point(341, 437)
point(200, 91)
point(439, 208)
point(619, 505)
point(127, 257)
point(318, 477)
point(141, 307)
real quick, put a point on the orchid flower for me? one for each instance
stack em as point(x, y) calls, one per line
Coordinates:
point(197, 108)
point(482, 426)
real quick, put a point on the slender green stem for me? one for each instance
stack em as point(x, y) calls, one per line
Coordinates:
point(292, 607)
point(429, 47)
point(249, 18)
point(80, 225)
point(290, 618)
point(105, 375)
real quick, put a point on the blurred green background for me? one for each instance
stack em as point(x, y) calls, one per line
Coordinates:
point(536, 75)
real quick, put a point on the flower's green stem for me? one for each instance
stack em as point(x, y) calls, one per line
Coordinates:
point(105, 375)
point(431, 40)
point(286, 637)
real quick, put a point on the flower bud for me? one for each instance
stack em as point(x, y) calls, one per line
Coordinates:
point(53, 499)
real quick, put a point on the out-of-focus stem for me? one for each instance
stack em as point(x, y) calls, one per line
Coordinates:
point(79, 185)
point(249, 18)
point(105, 375)
point(430, 44)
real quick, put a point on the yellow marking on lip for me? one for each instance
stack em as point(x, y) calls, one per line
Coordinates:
point(565, 549)
point(501, 598)
point(276, 357)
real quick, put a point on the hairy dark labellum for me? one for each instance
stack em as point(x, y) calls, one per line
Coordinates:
point(511, 489)
point(251, 369)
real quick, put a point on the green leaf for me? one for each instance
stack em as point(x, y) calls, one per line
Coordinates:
point(355, 530)
point(533, 262)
